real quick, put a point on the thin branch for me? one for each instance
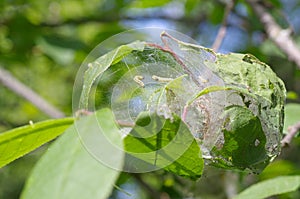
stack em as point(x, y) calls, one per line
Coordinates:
point(166, 48)
point(152, 192)
point(116, 19)
point(230, 183)
point(281, 37)
point(178, 60)
point(7, 79)
point(223, 29)
point(292, 131)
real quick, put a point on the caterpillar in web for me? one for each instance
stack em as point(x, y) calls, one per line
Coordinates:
point(138, 79)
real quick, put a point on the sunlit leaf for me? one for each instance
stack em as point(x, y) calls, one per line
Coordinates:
point(68, 170)
point(279, 168)
point(20, 141)
point(271, 187)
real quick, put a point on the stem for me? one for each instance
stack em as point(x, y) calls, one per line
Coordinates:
point(230, 184)
point(125, 124)
point(152, 192)
point(223, 29)
point(8, 80)
point(279, 36)
point(167, 49)
point(292, 131)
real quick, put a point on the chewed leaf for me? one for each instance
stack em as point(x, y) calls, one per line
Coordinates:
point(252, 84)
point(244, 141)
point(257, 78)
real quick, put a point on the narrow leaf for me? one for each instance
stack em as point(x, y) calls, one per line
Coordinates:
point(20, 141)
point(69, 171)
point(271, 187)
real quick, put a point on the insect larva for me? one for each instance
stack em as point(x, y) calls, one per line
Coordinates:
point(161, 79)
point(203, 80)
point(138, 79)
point(31, 123)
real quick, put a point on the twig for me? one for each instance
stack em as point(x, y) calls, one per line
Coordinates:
point(292, 131)
point(111, 19)
point(153, 193)
point(222, 31)
point(230, 181)
point(281, 37)
point(166, 48)
point(19, 88)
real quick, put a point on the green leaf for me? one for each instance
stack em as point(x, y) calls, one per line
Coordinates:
point(148, 4)
point(208, 90)
point(279, 168)
point(190, 5)
point(20, 141)
point(245, 141)
point(217, 14)
point(164, 143)
point(68, 170)
point(271, 187)
point(292, 115)
point(97, 67)
point(292, 95)
point(60, 54)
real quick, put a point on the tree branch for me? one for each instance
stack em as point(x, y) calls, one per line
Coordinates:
point(19, 88)
point(222, 31)
point(105, 19)
point(292, 131)
point(281, 37)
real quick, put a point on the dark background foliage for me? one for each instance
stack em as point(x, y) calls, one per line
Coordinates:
point(43, 43)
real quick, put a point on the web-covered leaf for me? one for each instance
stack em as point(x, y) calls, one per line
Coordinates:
point(210, 92)
point(163, 143)
point(100, 65)
point(248, 83)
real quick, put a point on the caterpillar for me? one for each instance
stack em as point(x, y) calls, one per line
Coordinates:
point(138, 79)
point(161, 79)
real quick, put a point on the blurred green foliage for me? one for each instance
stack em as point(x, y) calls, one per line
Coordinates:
point(43, 43)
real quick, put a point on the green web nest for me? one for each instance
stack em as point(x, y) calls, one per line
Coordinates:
point(231, 103)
